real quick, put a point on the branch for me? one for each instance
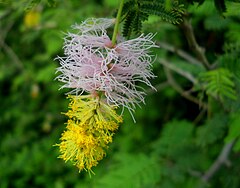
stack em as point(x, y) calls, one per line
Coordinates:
point(221, 160)
point(184, 94)
point(7, 49)
point(198, 50)
point(180, 53)
point(199, 116)
point(11, 54)
point(178, 70)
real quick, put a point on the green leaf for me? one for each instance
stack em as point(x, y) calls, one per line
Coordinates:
point(46, 74)
point(231, 59)
point(176, 134)
point(219, 84)
point(234, 131)
point(177, 150)
point(128, 24)
point(53, 42)
point(173, 15)
point(213, 130)
point(232, 8)
point(130, 170)
point(216, 22)
point(31, 4)
point(136, 12)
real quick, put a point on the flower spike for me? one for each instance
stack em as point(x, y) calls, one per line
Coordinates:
point(92, 63)
point(90, 128)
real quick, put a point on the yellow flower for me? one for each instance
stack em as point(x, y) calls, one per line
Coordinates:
point(90, 128)
point(32, 19)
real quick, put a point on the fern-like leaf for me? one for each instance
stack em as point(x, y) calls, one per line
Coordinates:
point(128, 6)
point(128, 24)
point(175, 141)
point(234, 131)
point(231, 59)
point(137, 24)
point(219, 84)
point(212, 131)
point(136, 12)
point(131, 171)
point(172, 14)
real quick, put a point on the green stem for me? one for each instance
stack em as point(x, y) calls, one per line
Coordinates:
point(116, 27)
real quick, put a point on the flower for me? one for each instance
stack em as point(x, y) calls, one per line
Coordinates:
point(92, 63)
point(32, 19)
point(90, 128)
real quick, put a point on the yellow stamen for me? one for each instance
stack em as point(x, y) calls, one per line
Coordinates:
point(90, 129)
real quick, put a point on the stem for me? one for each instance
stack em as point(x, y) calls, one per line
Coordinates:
point(116, 27)
point(183, 93)
point(192, 42)
point(221, 160)
point(12, 55)
point(180, 53)
point(177, 70)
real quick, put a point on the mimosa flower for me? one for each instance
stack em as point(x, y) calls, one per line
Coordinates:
point(90, 129)
point(92, 63)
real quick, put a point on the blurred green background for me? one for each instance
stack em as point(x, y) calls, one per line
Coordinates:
point(169, 146)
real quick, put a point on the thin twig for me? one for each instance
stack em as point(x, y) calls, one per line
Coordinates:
point(6, 28)
point(192, 42)
point(11, 54)
point(8, 49)
point(178, 88)
point(180, 53)
point(177, 70)
point(221, 160)
point(200, 116)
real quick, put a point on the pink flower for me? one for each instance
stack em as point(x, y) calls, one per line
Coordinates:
point(92, 63)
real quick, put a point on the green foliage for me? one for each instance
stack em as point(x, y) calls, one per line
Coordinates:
point(232, 8)
point(131, 171)
point(136, 12)
point(234, 131)
point(177, 134)
point(220, 5)
point(212, 131)
point(27, 5)
point(33, 3)
point(178, 154)
point(231, 59)
point(173, 14)
point(216, 22)
point(174, 141)
point(219, 84)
